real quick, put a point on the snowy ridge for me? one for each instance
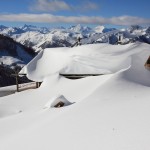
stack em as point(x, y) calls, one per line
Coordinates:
point(102, 38)
point(40, 38)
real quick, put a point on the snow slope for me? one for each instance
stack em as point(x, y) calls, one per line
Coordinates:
point(12, 53)
point(108, 112)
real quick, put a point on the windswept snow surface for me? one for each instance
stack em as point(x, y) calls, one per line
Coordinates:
point(109, 112)
point(86, 59)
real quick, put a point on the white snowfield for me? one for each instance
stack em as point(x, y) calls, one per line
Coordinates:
point(107, 112)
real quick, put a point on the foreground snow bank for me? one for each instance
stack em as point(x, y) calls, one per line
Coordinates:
point(110, 111)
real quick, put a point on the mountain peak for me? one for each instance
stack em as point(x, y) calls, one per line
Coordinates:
point(29, 26)
point(3, 27)
point(99, 29)
point(77, 27)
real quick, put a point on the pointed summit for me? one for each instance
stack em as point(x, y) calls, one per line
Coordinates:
point(80, 29)
point(77, 28)
point(103, 29)
point(99, 29)
point(3, 27)
point(28, 27)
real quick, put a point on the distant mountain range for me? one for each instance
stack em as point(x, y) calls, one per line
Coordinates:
point(41, 37)
point(21, 43)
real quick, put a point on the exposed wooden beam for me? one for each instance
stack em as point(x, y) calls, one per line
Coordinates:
point(78, 76)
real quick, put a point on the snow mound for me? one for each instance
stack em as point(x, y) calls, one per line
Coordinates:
point(56, 101)
point(86, 59)
point(137, 73)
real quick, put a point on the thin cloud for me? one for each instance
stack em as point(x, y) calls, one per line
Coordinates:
point(49, 5)
point(59, 5)
point(88, 6)
point(48, 18)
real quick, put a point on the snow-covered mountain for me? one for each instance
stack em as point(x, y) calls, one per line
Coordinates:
point(10, 31)
point(102, 29)
point(2, 27)
point(13, 53)
point(41, 37)
point(27, 28)
point(84, 30)
point(13, 56)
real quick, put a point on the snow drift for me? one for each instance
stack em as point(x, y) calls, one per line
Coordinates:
point(110, 111)
point(86, 59)
point(56, 100)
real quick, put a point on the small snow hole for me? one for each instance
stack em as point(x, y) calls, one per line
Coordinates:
point(59, 104)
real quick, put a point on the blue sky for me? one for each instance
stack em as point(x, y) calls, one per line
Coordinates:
point(68, 12)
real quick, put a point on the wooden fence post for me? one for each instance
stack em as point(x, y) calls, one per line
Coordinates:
point(37, 84)
point(17, 82)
